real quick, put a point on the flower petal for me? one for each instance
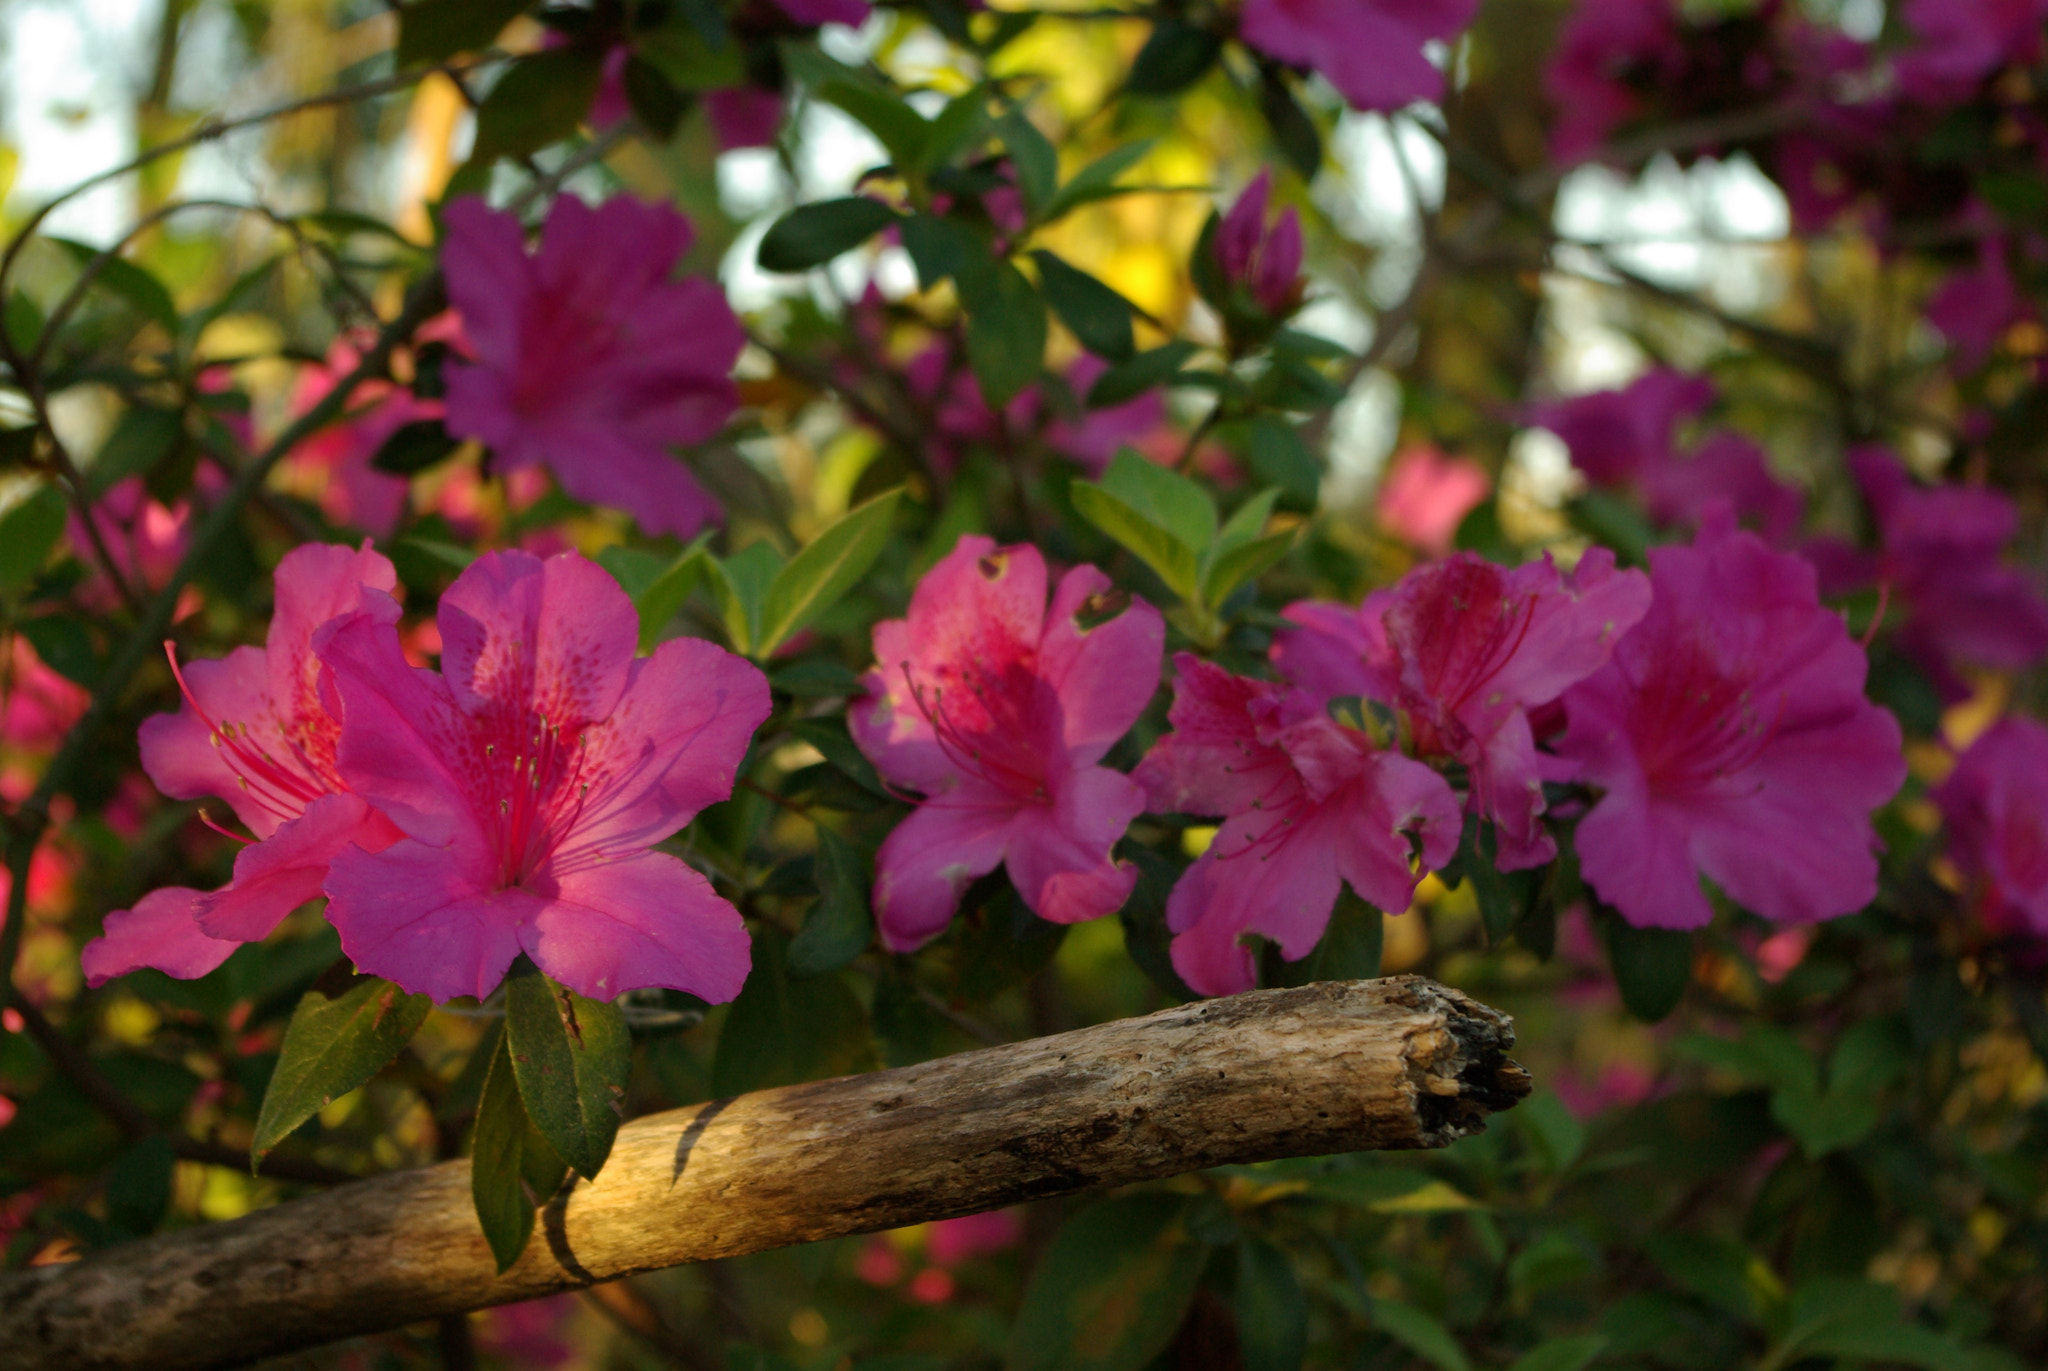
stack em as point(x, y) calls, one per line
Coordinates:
point(1059, 855)
point(420, 916)
point(932, 856)
point(553, 637)
point(1099, 673)
point(610, 927)
point(162, 931)
point(277, 875)
point(1250, 880)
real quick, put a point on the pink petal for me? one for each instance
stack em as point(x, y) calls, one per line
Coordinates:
point(1237, 237)
point(555, 637)
point(979, 601)
point(650, 920)
point(277, 875)
point(1393, 798)
point(1214, 761)
point(178, 751)
point(1337, 650)
point(932, 856)
point(1099, 673)
point(1248, 881)
point(644, 480)
point(484, 259)
point(162, 931)
point(428, 917)
point(315, 583)
point(887, 724)
point(1059, 855)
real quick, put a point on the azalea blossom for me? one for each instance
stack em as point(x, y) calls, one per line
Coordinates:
point(1959, 43)
point(1607, 53)
point(144, 538)
point(1424, 495)
point(1371, 50)
point(1306, 802)
point(1466, 650)
point(1262, 260)
point(1730, 737)
point(589, 359)
point(256, 732)
point(335, 466)
point(1994, 806)
point(1973, 309)
point(529, 778)
point(999, 711)
point(1940, 560)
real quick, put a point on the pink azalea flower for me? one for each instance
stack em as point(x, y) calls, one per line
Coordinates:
point(852, 13)
point(256, 731)
point(145, 538)
point(531, 1333)
point(1371, 50)
point(1731, 738)
point(999, 712)
point(1605, 53)
point(1995, 808)
point(1093, 436)
point(1974, 308)
point(744, 116)
point(1940, 558)
point(1424, 495)
point(1466, 650)
point(1262, 260)
point(1305, 802)
point(334, 465)
point(37, 706)
point(590, 360)
point(1959, 43)
point(529, 778)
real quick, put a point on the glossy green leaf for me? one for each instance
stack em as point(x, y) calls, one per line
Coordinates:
point(1129, 379)
point(899, 128)
point(138, 1189)
point(135, 285)
point(1152, 544)
point(661, 599)
point(811, 235)
point(1177, 55)
point(1652, 966)
point(66, 646)
point(541, 100)
point(1165, 497)
point(1110, 1290)
point(1006, 330)
point(831, 565)
point(28, 535)
point(1562, 1354)
point(941, 248)
point(143, 439)
point(839, 927)
point(1421, 1333)
point(414, 447)
point(1504, 896)
point(435, 30)
point(1241, 563)
point(782, 1032)
point(956, 129)
point(1095, 313)
point(1278, 456)
point(1294, 133)
point(653, 98)
point(570, 1056)
point(1272, 1310)
point(836, 745)
point(1032, 156)
point(512, 1169)
point(1097, 180)
point(740, 584)
point(333, 1044)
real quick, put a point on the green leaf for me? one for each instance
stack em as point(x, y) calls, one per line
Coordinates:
point(1152, 544)
point(1718, 1271)
point(899, 128)
point(1032, 155)
point(1420, 1333)
point(434, 30)
point(1096, 314)
point(414, 447)
point(1127, 380)
point(1392, 1190)
point(663, 597)
point(1097, 180)
point(1613, 522)
point(28, 534)
point(143, 438)
point(1294, 133)
point(65, 645)
point(653, 98)
point(1556, 1133)
point(1110, 1290)
point(1504, 896)
point(333, 1044)
point(820, 575)
point(138, 1190)
point(136, 287)
point(1177, 55)
point(740, 583)
point(1562, 1354)
point(693, 51)
point(955, 129)
point(1165, 497)
point(1249, 521)
point(1278, 456)
point(512, 1169)
point(1272, 1311)
point(542, 99)
point(571, 1056)
point(941, 248)
point(839, 927)
point(1351, 945)
point(781, 1032)
point(1651, 966)
point(1006, 330)
point(836, 745)
point(1236, 565)
point(811, 235)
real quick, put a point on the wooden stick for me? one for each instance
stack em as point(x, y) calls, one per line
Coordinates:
point(1332, 1067)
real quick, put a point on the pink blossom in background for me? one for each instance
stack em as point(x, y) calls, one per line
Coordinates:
point(1306, 803)
point(1465, 650)
point(529, 778)
point(1371, 50)
point(998, 711)
point(1940, 558)
point(1729, 737)
point(852, 13)
point(1994, 807)
point(257, 732)
point(1973, 309)
point(145, 538)
point(1957, 44)
point(589, 359)
point(1606, 51)
point(1613, 434)
point(1262, 259)
point(1727, 470)
point(952, 1241)
point(744, 116)
point(1092, 437)
point(334, 465)
point(957, 418)
point(37, 706)
point(1424, 495)
point(532, 1333)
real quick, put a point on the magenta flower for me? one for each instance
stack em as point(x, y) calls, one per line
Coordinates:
point(145, 538)
point(852, 13)
point(256, 732)
point(1093, 437)
point(1960, 43)
point(1606, 52)
point(334, 466)
point(1995, 807)
point(529, 778)
point(744, 116)
point(1940, 559)
point(1424, 495)
point(1263, 260)
point(1973, 309)
point(589, 359)
point(999, 712)
point(1466, 650)
point(1306, 803)
point(1371, 50)
point(1731, 738)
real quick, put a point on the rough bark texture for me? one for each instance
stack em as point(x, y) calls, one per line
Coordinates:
point(1333, 1067)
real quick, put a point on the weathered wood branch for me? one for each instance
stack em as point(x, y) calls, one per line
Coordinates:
point(1333, 1067)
